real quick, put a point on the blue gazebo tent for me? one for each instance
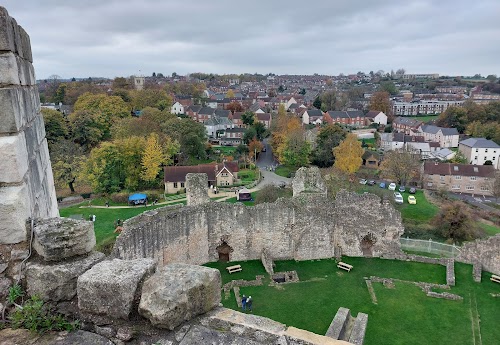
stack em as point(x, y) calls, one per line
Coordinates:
point(137, 199)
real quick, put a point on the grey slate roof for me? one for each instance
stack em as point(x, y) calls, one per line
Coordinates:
point(315, 112)
point(206, 111)
point(479, 143)
point(434, 129)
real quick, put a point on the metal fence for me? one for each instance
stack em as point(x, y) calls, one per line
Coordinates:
point(429, 246)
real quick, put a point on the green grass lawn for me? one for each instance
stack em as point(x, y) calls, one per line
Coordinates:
point(226, 150)
point(491, 230)
point(247, 176)
point(105, 218)
point(422, 212)
point(285, 171)
point(424, 118)
point(403, 315)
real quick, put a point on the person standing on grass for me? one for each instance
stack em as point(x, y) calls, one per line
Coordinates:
point(244, 303)
point(249, 303)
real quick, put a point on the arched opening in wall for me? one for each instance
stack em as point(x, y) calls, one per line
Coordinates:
point(367, 245)
point(224, 250)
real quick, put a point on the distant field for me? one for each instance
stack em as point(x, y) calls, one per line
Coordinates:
point(423, 118)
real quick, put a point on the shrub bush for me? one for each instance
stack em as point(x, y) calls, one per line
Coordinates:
point(119, 197)
point(36, 316)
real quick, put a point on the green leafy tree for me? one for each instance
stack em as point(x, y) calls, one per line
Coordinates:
point(328, 138)
point(248, 118)
point(87, 129)
point(67, 162)
point(317, 103)
point(389, 86)
point(249, 134)
point(260, 130)
point(296, 150)
point(332, 100)
point(56, 126)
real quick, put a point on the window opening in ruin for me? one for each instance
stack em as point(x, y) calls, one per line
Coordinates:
point(367, 245)
point(224, 250)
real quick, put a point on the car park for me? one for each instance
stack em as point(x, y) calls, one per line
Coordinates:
point(392, 186)
point(402, 189)
point(412, 200)
point(363, 181)
point(412, 190)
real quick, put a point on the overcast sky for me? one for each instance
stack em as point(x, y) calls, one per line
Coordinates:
point(112, 38)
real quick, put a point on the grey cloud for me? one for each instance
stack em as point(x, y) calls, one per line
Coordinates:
point(120, 37)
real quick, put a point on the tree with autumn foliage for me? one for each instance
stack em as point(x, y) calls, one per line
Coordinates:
point(152, 158)
point(380, 101)
point(254, 147)
point(230, 93)
point(457, 223)
point(348, 155)
point(401, 166)
point(234, 107)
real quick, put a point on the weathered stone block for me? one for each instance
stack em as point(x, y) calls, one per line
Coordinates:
point(9, 71)
point(6, 32)
point(11, 111)
point(26, 45)
point(14, 160)
point(60, 238)
point(308, 181)
point(111, 288)
point(14, 212)
point(57, 281)
point(26, 72)
point(179, 292)
point(197, 189)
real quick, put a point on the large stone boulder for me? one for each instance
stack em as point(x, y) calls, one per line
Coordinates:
point(111, 288)
point(57, 281)
point(60, 238)
point(179, 292)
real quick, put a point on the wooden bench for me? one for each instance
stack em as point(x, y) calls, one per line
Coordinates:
point(235, 268)
point(495, 278)
point(345, 266)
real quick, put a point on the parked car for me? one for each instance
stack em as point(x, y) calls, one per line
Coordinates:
point(412, 200)
point(402, 189)
point(412, 190)
point(398, 198)
point(382, 185)
point(363, 181)
point(392, 186)
point(371, 183)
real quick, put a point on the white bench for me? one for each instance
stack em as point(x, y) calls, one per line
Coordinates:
point(495, 278)
point(345, 266)
point(235, 268)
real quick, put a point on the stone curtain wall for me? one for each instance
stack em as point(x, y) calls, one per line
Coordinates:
point(363, 216)
point(26, 181)
point(300, 228)
point(485, 253)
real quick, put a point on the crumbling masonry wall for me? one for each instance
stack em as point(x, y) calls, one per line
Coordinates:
point(26, 181)
point(301, 228)
point(484, 253)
